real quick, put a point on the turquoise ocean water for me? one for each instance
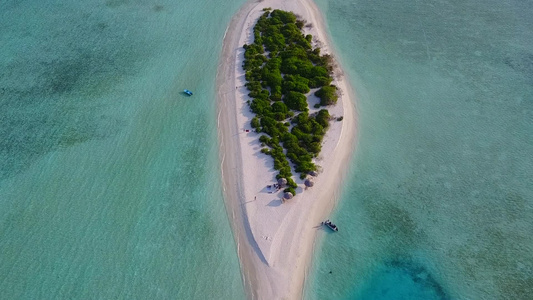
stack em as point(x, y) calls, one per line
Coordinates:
point(439, 201)
point(109, 177)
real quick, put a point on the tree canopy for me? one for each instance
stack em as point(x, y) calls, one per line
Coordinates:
point(327, 94)
point(277, 82)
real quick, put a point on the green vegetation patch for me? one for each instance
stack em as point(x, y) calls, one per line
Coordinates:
point(281, 67)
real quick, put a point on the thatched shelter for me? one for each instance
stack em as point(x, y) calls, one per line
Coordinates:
point(309, 182)
point(282, 182)
point(313, 173)
point(288, 195)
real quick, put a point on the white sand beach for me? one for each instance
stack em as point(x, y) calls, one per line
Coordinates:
point(275, 240)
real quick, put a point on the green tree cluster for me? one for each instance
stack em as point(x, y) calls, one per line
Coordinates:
point(327, 94)
point(281, 67)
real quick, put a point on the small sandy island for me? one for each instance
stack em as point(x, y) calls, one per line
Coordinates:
point(275, 240)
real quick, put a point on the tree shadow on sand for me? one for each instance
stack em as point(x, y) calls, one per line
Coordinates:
point(275, 203)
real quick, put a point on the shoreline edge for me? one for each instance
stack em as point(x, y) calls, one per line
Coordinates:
point(275, 242)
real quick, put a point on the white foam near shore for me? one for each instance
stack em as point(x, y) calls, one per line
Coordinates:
point(275, 240)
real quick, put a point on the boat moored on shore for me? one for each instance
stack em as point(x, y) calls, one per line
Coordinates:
point(330, 225)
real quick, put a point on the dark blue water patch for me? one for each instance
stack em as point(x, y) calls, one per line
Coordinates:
point(400, 280)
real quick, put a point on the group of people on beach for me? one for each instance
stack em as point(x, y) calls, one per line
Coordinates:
point(275, 186)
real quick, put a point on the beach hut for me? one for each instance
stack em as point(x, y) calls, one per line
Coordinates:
point(287, 195)
point(313, 173)
point(308, 182)
point(282, 182)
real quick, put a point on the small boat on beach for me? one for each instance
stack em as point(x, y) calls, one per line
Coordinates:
point(187, 92)
point(330, 225)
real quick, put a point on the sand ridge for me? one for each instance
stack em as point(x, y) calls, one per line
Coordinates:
point(275, 240)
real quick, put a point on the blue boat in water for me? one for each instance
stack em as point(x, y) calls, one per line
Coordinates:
point(187, 92)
